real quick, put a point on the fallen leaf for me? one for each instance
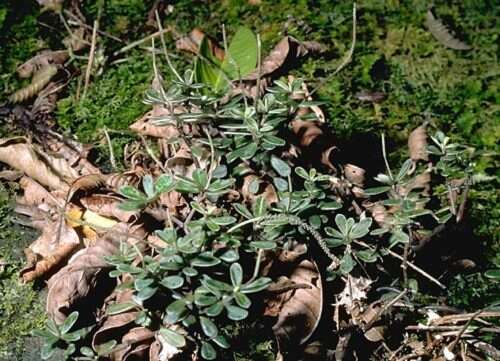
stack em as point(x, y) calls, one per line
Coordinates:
point(355, 290)
point(77, 279)
point(417, 144)
point(45, 58)
point(192, 42)
point(107, 206)
point(354, 174)
point(301, 312)
point(20, 155)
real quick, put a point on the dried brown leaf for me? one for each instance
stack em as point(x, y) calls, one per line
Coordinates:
point(107, 206)
point(192, 42)
point(354, 174)
point(417, 144)
point(300, 313)
point(45, 58)
point(21, 156)
point(77, 279)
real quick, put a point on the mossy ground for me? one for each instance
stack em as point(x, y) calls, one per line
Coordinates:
point(455, 91)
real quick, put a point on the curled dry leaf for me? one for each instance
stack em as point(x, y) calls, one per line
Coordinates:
point(326, 157)
point(300, 308)
point(40, 79)
point(34, 194)
point(43, 59)
point(145, 125)
point(52, 5)
point(287, 51)
point(417, 144)
point(56, 243)
point(107, 206)
point(354, 174)
point(20, 155)
point(192, 42)
point(265, 190)
point(442, 34)
point(77, 279)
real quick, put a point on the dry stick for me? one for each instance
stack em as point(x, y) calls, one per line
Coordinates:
point(78, 22)
point(467, 324)
point(164, 45)
point(461, 209)
point(88, 71)
point(449, 328)
point(110, 146)
point(151, 154)
point(140, 41)
point(404, 265)
point(418, 269)
point(381, 311)
point(347, 59)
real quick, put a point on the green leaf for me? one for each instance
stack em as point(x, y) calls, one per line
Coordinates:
point(172, 282)
point(142, 283)
point(221, 341)
point(333, 232)
point(220, 186)
point(347, 263)
point(223, 221)
point(280, 166)
point(242, 300)
point(176, 311)
point(164, 183)
point(87, 351)
point(190, 271)
point(361, 228)
point(263, 244)
point(493, 274)
point(330, 206)
point(205, 300)
point(146, 293)
point(236, 273)
point(274, 141)
point(376, 190)
point(215, 284)
point(341, 223)
point(404, 169)
point(132, 193)
point(281, 184)
point(200, 178)
point(215, 309)
point(186, 186)
point(241, 56)
point(207, 70)
point(245, 152)
point(117, 308)
point(208, 351)
point(69, 322)
point(258, 285)
point(259, 207)
point(301, 172)
point(132, 205)
point(205, 259)
point(230, 256)
point(236, 313)
point(208, 327)
point(174, 338)
point(47, 351)
point(147, 184)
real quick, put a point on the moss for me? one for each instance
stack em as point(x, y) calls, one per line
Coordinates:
point(21, 309)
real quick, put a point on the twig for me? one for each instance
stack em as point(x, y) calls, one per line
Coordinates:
point(151, 154)
point(464, 328)
point(347, 58)
point(165, 51)
point(418, 269)
point(112, 159)
point(88, 71)
point(140, 41)
point(78, 22)
point(461, 209)
point(381, 311)
point(259, 68)
point(384, 155)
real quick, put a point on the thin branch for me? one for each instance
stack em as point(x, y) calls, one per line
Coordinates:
point(112, 159)
point(381, 311)
point(464, 328)
point(140, 41)
point(88, 71)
